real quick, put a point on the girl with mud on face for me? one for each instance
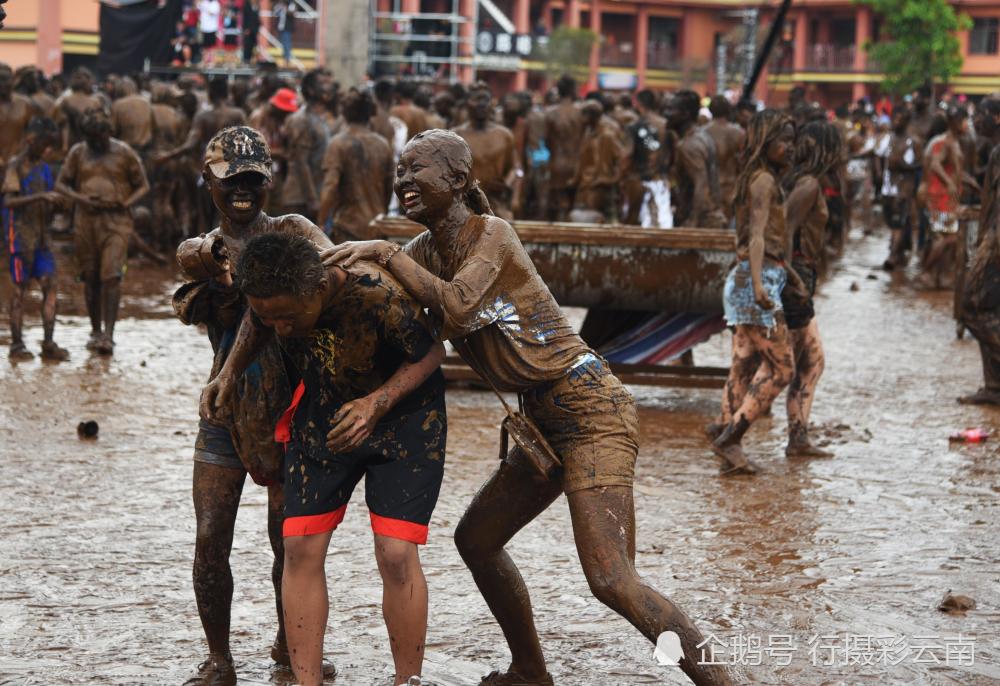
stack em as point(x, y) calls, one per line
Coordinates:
point(817, 151)
point(473, 275)
point(762, 355)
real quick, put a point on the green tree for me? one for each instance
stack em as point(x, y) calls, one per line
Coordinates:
point(919, 43)
point(568, 52)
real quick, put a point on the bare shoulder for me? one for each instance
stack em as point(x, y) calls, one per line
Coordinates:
point(763, 183)
point(298, 225)
point(807, 184)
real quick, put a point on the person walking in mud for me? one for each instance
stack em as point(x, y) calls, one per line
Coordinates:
point(763, 361)
point(474, 276)
point(899, 188)
point(28, 201)
point(818, 150)
point(370, 404)
point(239, 439)
point(104, 177)
point(599, 172)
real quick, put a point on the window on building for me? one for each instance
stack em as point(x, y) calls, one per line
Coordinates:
point(983, 37)
point(662, 48)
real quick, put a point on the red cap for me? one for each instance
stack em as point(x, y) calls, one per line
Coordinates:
point(285, 100)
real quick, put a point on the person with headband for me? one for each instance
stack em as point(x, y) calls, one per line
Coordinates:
point(763, 362)
point(484, 295)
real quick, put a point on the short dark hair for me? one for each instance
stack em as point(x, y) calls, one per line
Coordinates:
point(746, 105)
point(566, 85)
point(383, 91)
point(646, 98)
point(688, 102)
point(218, 88)
point(406, 89)
point(274, 264)
point(42, 126)
point(719, 106)
point(358, 107)
point(422, 98)
point(309, 81)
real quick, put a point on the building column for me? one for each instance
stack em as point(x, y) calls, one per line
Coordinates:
point(641, 45)
point(862, 33)
point(801, 52)
point(522, 25)
point(345, 45)
point(49, 41)
point(467, 33)
point(571, 15)
point(411, 7)
point(595, 49)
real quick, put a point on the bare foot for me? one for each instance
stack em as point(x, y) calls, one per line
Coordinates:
point(735, 462)
point(510, 678)
point(51, 351)
point(20, 353)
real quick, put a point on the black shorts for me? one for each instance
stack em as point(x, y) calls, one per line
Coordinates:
point(799, 312)
point(214, 445)
point(402, 464)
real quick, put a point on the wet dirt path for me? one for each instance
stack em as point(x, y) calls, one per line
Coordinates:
point(813, 556)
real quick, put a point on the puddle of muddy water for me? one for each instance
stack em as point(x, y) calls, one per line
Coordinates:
point(810, 560)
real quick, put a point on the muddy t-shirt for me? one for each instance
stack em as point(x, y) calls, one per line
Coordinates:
point(496, 310)
point(360, 340)
point(26, 225)
point(493, 154)
point(357, 170)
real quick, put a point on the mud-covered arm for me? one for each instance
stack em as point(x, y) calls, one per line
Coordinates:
point(67, 178)
point(251, 338)
point(936, 166)
point(799, 204)
point(762, 192)
point(138, 175)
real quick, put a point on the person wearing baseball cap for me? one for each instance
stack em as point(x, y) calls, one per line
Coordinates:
point(239, 439)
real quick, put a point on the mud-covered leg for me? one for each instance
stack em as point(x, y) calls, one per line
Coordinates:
point(275, 519)
point(604, 529)
point(510, 499)
point(216, 492)
point(809, 364)
point(744, 364)
point(774, 373)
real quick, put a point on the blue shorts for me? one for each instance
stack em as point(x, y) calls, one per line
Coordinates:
point(214, 445)
point(738, 300)
point(37, 264)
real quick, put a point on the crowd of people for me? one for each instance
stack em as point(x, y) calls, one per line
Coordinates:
point(267, 191)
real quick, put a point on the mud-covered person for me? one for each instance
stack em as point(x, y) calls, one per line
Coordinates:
point(601, 165)
point(478, 283)
point(71, 106)
point(15, 112)
point(495, 160)
point(818, 151)
point(307, 133)
point(729, 139)
point(981, 313)
point(696, 171)
point(648, 162)
point(357, 173)
point(945, 175)
point(563, 135)
point(370, 404)
point(239, 439)
point(899, 187)
point(105, 178)
point(28, 203)
point(762, 361)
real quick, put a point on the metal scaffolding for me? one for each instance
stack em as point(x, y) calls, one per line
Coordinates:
point(422, 45)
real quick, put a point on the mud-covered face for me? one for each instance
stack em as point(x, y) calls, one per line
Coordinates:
point(37, 144)
point(240, 197)
point(6, 83)
point(675, 114)
point(900, 120)
point(425, 187)
point(779, 151)
point(480, 105)
point(291, 316)
point(96, 130)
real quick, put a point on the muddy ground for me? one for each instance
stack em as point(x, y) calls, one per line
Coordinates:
point(821, 556)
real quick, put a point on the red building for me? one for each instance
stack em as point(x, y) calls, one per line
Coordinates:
point(670, 44)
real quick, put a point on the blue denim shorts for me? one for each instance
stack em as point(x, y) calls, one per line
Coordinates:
point(738, 300)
